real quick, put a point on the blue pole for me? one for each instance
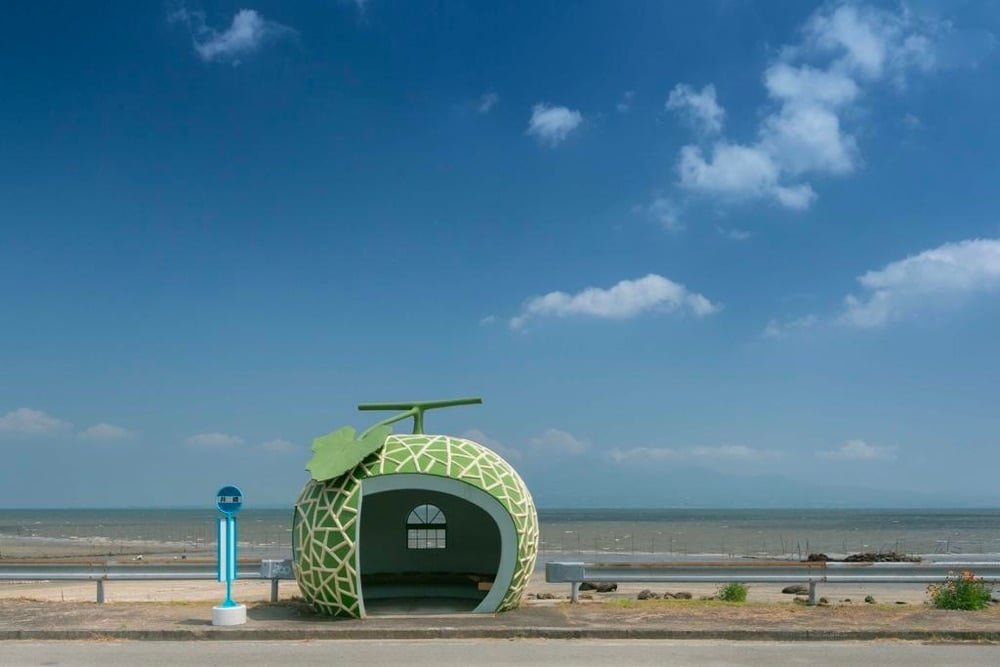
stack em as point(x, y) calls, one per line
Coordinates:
point(229, 499)
point(230, 559)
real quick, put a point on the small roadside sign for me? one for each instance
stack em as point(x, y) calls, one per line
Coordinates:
point(229, 499)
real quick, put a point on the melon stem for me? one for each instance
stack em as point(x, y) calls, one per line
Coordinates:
point(414, 409)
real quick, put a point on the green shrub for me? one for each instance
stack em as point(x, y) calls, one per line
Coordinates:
point(733, 592)
point(962, 591)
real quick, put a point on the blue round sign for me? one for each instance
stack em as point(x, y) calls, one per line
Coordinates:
point(229, 499)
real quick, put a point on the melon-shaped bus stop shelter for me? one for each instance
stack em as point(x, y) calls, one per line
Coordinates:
point(422, 517)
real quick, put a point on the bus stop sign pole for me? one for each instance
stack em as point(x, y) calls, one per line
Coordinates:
point(229, 501)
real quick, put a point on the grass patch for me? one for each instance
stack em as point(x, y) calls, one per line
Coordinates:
point(733, 592)
point(964, 591)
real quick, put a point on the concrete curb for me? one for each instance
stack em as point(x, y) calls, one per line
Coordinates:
point(370, 634)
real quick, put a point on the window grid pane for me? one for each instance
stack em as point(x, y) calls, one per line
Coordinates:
point(426, 538)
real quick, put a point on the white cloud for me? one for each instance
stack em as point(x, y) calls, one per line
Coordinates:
point(626, 101)
point(912, 122)
point(487, 102)
point(732, 170)
point(277, 446)
point(859, 450)
point(214, 440)
point(776, 329)
point(871, 43)
point(808, 138)
point(700, 108)
point(560, 441)
point(503, 450)
point(796, 197)
point(699, 453)
point(551, 125)
point(665, 212)
point(807, 85)
point(814, 86)
point(105, 432)
point(739, 172)
point(247, 33)
point(937, 277)
point(624, 300)
point(25, 421)
point(488, 320)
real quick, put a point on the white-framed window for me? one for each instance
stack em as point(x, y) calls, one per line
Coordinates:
point(426, 528)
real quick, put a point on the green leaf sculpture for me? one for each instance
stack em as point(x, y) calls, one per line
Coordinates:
point(337, 452)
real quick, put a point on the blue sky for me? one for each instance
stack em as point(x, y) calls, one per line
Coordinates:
point(723, 253)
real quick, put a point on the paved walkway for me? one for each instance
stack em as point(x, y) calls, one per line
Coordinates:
point(27, 619)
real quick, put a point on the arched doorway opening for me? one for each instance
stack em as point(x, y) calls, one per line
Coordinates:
point(432, 542)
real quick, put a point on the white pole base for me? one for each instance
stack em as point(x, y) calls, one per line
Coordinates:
point(229, 615)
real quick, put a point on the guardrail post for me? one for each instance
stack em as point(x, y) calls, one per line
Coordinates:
point(574, 591)
point(812, 594)
point(100, 591)
point(274, 590)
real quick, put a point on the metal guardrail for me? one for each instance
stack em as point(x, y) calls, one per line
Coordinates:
point(771, 571)
point(270, 570)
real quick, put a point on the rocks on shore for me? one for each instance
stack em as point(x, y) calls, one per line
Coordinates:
point(867, 557)
point(646, 594)
point(599, 587)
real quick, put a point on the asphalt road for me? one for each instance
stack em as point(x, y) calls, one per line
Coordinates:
point(495, 652)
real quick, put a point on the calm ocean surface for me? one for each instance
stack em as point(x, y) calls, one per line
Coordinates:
point(588, 533)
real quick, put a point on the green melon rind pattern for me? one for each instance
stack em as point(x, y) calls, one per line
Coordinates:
point(325, 521)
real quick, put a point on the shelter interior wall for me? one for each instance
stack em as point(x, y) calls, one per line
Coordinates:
point(473, 542)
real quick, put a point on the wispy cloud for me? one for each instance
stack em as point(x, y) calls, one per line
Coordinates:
point(814, 86)
point(214, 440)
point(929, 279)
point(859, 450)
point(551, 124)
point(624, 300)
point(560, 441)
point(625, 104)
point(699, 107)
point(486, 102)
point(26, 421)
point(246, 34)
point(665, 212)
point(509, 453)
point(733, 234)
point(782, 329)
point(942, 277)
point(105, 432)
point(719, 453)
point(277, 446)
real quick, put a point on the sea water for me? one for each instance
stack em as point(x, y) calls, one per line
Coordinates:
point(566, 534)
